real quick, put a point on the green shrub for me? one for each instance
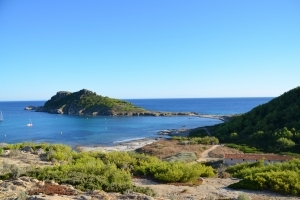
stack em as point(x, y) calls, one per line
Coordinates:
point(144, 190)
point(112, 171)
point(279, 177)
point(196, 140)
point(235, 169)
point(60, 152)
point(6, 176)
point(87, 173)
point(175, 171)
point(121, 159)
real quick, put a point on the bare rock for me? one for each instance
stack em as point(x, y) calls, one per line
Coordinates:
point(27, 149)
point(25, 178)
point(30, 108)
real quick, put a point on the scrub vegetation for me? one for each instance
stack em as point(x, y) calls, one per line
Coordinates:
point(111, 172)
point(279, 177)
point(177, 148)
point(196, 140)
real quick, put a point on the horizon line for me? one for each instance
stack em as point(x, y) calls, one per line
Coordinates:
point(158, 98)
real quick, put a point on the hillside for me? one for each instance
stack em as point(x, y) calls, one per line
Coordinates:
point(272, 127)
point(85, 102)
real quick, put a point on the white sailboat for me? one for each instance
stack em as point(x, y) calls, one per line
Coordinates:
point(1, 116)
point(30, 123)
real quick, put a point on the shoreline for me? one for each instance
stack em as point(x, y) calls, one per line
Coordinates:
point(121, 145)
point(131, 145)
point(146, 113)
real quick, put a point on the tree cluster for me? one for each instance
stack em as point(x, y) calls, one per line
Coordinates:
point(273, 126)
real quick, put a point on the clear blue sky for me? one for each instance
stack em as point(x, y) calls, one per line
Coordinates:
point(149, 48)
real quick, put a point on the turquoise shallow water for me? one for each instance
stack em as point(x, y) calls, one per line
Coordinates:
point(82, 130)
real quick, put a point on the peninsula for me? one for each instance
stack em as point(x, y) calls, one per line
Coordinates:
point(86, 102)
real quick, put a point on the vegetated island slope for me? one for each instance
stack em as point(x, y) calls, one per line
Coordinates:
point(85, 102)
point(270, 127)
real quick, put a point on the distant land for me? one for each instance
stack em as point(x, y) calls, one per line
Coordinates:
point(86, 102)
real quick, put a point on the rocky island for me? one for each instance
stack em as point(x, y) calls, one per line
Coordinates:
point(86, 102)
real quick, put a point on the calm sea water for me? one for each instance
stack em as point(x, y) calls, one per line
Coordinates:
point(82, 130)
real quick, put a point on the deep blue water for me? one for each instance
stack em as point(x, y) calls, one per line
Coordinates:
point(216, 106)
point(82, 130)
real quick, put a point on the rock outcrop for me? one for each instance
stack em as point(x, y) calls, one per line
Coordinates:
point(32, 107)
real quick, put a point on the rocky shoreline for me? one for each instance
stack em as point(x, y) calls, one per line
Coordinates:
point(88, 103)
point(109, 113)
point(223, 118)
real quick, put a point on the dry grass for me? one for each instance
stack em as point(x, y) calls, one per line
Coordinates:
point(166, 148)
point(220, 151)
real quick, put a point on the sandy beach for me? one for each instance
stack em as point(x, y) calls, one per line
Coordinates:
point(122, 146)
point(138, 143)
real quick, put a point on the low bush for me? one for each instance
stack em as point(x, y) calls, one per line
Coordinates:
point(174, 171)
point(238, 168)
point(6, 176)
point(110, 172)
point(278, 177)
point(87, 173)
point(196, 140)
point(59, 152)
point(144, 190)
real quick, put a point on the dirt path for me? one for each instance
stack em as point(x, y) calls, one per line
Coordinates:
point(205, 157)
point(208, 133)
point(212, 188)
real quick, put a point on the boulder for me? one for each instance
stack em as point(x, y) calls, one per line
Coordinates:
point(27, 149)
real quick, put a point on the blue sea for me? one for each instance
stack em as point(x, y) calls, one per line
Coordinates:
point(109, 130)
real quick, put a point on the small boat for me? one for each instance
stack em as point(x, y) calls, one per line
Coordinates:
point(1, 117)
point(30, 123)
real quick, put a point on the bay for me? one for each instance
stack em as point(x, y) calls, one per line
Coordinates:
point(107, 130)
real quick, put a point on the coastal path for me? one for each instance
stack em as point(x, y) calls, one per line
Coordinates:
point(205, 157)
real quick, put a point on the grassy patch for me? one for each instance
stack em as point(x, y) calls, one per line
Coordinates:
point(185, 157)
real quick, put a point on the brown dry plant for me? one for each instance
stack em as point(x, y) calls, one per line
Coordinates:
point(166, 148)
point(220, 151)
